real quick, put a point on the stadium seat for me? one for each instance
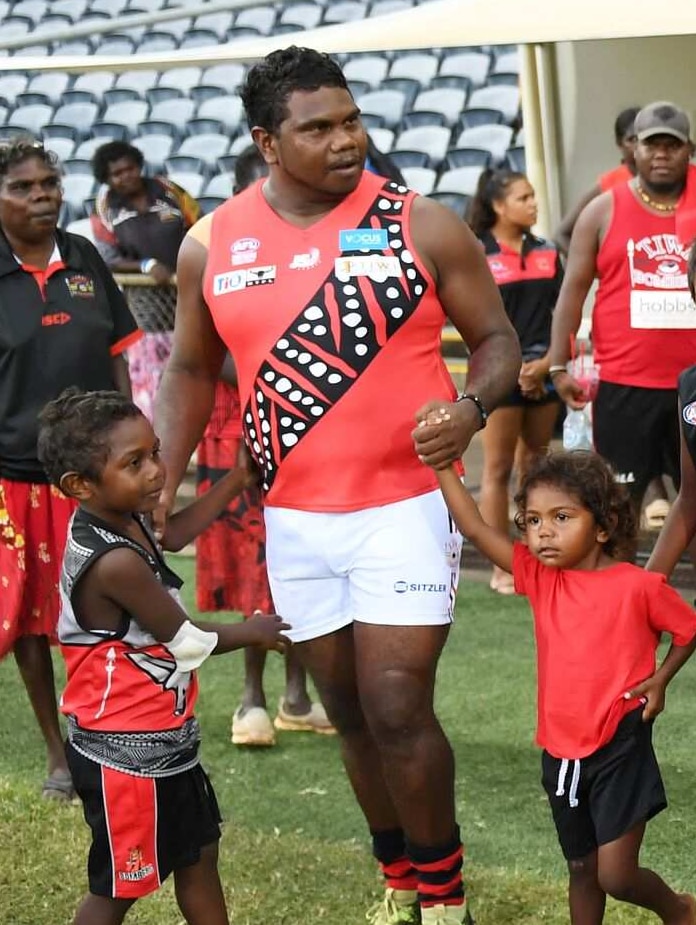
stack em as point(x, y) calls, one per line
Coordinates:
point(261, 18)
point(35, 51)
point(218, 23)
point(76, 188)
point(11, 85)
point(224, 75)
point(389, 104)
point(205, 127)
point(227, 109)
point(181, 78)
point(32, 118)
point(492, 138)
point(208, 147)
point(420, 67)
point(4, 113)
point(81, 115)
point(96, 82)
point(128, 113)
point(407, 86)
point(152, 127)
point(344, 11)
point(156, 41)
point(243, 32)
point(420, 179)
point(358, 88)
point(475, 116)
point(34, 10)
point(380, 7)
point(516, 160)
point(140, 81)
point(239, 144)
point(458, 202)
point(77, 165)
point(177, 112)
point(432, 139)
point(110, 131)
point(121, 95)
point(75, 9)
point(506, 99)
point(183, 163)
point(74, 48)
point(507, 63)
point(460, 180)
point(160, 93)
point(155, 148)
point(226, 163)
point(56, 130)
point(467, 157)
point(176, 28)
point(403, 159)
point(447, 100)
point(369, 68)
point(87, 147)
point(199, 38)
point(413, 118)
point(31, 99)
point(474, 65)
point(112, 7)
point(79, 96)
point(209, 203)
point(115, 45)
point(62, 147)
point(220, 185)
point(302, 15)
point(503, 80)
point(455, 81)
point(383, 139)
point(52, 85)
point(191, 182)
point(15, 26)
point(371, 121)
point(147, 6)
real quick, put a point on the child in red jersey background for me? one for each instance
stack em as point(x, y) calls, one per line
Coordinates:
point(598, 622)
point(131, 655)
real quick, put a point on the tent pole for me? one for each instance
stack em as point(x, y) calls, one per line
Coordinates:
point(547, 88)
point(534, 134)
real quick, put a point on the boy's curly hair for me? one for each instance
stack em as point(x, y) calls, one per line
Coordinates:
point(587, 477)
point(74, 431)
point(23, 148)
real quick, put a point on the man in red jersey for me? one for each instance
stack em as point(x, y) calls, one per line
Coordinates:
point(330, 286)
point(635, 240)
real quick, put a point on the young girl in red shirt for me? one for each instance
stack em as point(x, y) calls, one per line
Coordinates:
point(598, 622)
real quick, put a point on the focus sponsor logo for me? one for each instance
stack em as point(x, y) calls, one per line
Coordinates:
point(363, 239)
point(229, 282)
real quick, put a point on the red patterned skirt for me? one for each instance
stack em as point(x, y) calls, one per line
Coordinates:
point(231, 553)
point(33, 529)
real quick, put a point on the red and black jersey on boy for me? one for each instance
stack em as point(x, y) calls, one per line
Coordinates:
point(130, 707)
point(58, 328)
point(529, 283)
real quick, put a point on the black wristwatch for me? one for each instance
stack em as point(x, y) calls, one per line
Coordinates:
point(468, 396)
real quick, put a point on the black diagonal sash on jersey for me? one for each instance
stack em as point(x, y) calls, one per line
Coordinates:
point(312, 366)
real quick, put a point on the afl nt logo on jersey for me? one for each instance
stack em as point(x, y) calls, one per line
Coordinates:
point(689, 413)
point(244, 250)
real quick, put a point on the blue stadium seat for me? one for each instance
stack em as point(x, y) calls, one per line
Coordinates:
point(420, 67)
point(458, 202)
point(492, 138)
point(62, 147)
point(77, 165)
point(474, 116)
point(220, 185)
point(182, 78)
point(128, 113)
point(467, 157)
point(432, 139)
point(460, 180)
point(155, 148)
point(76, 188)
point(371, 69)
point(218, 23)
point(81, 115)
point(302, 15)
point(389, 104)
point(420, 179)
point(261, 18)
point(447, 100)
point(506, 99)
point(344, 11)
point(115, 45)
point(383, 139)
point(11, 85)
point(96, 82)
point(208, 147)
point(226, 109)
point(191, 182)
point(32, 118)
point(140, 81)
point(403, 159)
point(471, 64)
point(209, 203)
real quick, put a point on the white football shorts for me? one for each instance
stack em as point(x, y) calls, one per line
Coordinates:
point(396, 565)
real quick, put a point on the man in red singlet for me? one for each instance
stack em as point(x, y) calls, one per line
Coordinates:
point(625, 138)
point(634, 239)
point(330, 286)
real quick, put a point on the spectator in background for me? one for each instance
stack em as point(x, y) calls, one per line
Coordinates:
point(63, 321)
point(528, 272)
point(635, 239)
point(138, 226)
point(231, 553)
point(625, 138)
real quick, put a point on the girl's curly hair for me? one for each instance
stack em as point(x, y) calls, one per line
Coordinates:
point(587, 477)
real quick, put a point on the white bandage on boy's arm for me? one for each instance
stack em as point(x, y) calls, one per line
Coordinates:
point(191, 646)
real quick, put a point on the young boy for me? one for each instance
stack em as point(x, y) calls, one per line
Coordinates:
point(131, 654)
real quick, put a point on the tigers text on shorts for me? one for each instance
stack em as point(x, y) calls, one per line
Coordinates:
point(395, 565)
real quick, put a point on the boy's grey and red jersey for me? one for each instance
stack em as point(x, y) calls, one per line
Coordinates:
point(129, 706)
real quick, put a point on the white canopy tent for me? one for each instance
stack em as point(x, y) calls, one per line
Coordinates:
point(450, 23)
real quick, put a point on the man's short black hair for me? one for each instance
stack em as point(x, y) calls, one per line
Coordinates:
point(109, 153)
point(74, 431)
point(248, 168)
point(270, 83)
point(624, 123)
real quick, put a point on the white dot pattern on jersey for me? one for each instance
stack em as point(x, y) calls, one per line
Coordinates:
point(320, 355)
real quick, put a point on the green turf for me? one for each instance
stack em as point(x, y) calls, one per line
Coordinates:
point(295, 849)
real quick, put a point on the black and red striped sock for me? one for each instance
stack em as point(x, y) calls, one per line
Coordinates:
point(439, 872)
point(389, 848)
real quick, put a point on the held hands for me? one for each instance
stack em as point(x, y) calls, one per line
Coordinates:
point(532, 379)
point(444, 431)
point(652, 693)
point(160, 514)
point(266, 632)
point(248, 466)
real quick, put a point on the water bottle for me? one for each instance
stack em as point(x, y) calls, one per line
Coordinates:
point(577, 430)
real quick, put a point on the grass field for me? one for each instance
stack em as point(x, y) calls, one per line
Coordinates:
point(295, 850)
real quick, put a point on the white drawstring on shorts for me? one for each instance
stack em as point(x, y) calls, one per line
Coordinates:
point(574, 781)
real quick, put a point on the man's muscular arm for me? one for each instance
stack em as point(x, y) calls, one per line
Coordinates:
point(471, 300)
point(185, 397)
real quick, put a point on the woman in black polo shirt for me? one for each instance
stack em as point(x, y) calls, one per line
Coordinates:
point(63, 322)
point(528, 272)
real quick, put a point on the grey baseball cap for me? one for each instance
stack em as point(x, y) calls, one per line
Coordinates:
point(662, 118)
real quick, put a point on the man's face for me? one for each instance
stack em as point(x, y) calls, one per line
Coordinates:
point(662, 162)
point(321, 144)
point(124, 176)
point(30, 200)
